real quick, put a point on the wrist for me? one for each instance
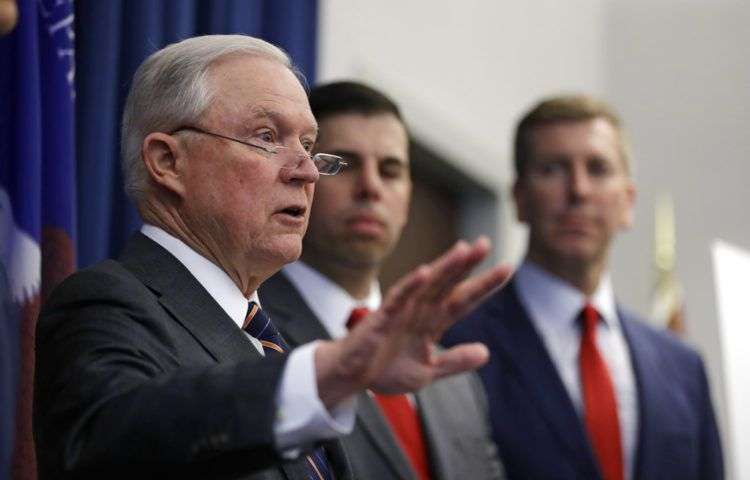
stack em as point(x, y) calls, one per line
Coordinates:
point(334, 382)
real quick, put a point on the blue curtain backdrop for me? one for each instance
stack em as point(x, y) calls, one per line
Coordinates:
point(37, 210)
point(112, 38)
point(60, 182)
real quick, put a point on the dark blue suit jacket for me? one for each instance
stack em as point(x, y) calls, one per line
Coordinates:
point(536, 427)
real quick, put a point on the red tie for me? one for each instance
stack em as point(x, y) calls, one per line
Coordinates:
point(600, 405)
point(401, 416)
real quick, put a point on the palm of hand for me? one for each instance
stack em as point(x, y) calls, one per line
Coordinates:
point(394, 351)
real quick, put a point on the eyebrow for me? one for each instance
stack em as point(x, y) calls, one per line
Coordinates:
point(261, 112)
point(355, 157)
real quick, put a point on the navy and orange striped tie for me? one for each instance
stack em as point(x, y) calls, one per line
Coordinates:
point(259, 325)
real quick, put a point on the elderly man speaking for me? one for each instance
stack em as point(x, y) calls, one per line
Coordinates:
point(162, 363)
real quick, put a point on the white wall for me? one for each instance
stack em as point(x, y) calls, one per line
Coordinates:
point(680, 74)
point(678, 71)
point(463, 71)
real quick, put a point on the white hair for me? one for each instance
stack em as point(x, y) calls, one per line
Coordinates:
point(170, 89)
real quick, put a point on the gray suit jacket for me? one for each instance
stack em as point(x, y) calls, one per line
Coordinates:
point(453, 411)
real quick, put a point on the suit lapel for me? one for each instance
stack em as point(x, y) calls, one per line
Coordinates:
point(339, 461)
point(299, 325)
point(188, 302)
point(194, 308)
point(653, 407)
point(514, 333)
point(289, 312)
point(436, 441)
point(377, 429)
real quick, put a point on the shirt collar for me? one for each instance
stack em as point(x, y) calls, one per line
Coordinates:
point(216, 282)
point(328, 301)
point(550, 299)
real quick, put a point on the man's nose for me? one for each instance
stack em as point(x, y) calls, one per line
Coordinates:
point(370, 183)
point(300, 167)
point(579, 182)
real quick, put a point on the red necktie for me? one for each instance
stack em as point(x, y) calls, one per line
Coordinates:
point(600, 404)
point(401, 416)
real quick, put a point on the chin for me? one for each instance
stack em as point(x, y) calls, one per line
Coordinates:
point(575, 253)
point(284, 252)
point(368, 254)
point(291, 255)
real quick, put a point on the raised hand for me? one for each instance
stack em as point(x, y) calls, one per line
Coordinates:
point(393, 350)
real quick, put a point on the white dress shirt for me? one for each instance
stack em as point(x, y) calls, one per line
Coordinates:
point(301, 416)
point(327, 300)
point(554, 307)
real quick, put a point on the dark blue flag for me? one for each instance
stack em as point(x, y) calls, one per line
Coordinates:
point(37, 202)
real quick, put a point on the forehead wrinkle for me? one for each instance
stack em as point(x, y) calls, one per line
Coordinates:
point(251, 89)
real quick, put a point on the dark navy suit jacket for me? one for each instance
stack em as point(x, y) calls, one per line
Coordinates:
point(535, 425)
point(140, 374)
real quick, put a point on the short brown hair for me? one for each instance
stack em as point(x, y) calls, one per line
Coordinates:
point(560, 109)
point(350, 97)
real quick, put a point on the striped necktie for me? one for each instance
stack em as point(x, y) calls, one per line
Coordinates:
point(401, 416)
point(259, 325)
point(600, 403)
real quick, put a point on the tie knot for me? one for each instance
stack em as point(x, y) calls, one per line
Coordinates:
point(358, 314)
point(259, 325)
point(253, 311)
point(590, 317)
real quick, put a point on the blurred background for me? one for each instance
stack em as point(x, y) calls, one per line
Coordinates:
point(678, 71)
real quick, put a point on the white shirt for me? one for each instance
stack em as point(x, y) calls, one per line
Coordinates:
point(301, 417)
point(327, 300)
point(554, 307)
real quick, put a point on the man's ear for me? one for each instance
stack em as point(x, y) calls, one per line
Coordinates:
point(163, 158)
point(628, 214)
point(520, 198)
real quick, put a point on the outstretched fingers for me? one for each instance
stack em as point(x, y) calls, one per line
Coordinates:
point(460, 358)
point(452, 267)
point(417, 309)
point(399, 297)
point(469, 293)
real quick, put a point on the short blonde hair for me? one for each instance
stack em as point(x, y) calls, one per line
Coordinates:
point(565, 108)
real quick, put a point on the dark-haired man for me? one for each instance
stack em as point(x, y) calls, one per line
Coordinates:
point(357, 217)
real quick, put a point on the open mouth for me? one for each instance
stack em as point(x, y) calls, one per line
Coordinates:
point(294, 211)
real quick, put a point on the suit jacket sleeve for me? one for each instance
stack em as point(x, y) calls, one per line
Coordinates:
point(122, 386)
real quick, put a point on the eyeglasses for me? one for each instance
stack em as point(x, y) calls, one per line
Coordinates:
point(326, 163)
